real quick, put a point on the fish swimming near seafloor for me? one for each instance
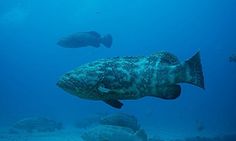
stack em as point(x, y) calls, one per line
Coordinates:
point(36, 124)
point(122, 120)
point(84, 39)
point(124, 78)
point(113, 133)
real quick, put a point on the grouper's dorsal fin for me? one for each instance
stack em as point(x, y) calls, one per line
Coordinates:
point(114, 103)
point(166, 58)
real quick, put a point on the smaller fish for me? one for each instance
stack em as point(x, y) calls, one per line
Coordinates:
point(113, 133)
point(122, 120)
point(84, 39)
point(232, 58)
point(36, 124)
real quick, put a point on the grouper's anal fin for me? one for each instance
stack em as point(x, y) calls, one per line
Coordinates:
point(168, 92)
point(114, 103)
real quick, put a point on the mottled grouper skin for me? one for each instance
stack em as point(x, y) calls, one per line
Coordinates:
point(125, 78)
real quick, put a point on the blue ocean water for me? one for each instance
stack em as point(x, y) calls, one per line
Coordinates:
point(31, 61)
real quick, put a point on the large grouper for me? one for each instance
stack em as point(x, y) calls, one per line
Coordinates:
point(133, 77)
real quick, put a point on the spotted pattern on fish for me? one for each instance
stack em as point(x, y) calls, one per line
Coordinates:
point(133, 77)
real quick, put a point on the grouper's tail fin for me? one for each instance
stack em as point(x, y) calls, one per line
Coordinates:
point(107, 40)
point(193, 69)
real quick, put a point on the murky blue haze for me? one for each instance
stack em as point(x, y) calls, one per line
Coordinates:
point(31, 62)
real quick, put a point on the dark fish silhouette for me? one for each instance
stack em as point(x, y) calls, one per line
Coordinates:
point(121, 78)
point(232, 58)
point(36, 124)
point(113, 133)
point(122, 120)
point(84, 39)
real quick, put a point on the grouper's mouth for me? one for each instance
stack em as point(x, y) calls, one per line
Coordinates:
point(66, 85)
point(78, 87)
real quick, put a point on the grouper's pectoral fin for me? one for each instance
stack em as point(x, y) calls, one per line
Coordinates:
point(114, 103)
point(103, 89)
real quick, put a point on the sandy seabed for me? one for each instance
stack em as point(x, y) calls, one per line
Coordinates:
point(63, 135)
point(74, 134)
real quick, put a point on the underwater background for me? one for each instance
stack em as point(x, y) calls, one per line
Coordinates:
point(31, 62)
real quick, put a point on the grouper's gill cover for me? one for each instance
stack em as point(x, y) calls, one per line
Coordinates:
point(123, 78)
point(82, 81)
